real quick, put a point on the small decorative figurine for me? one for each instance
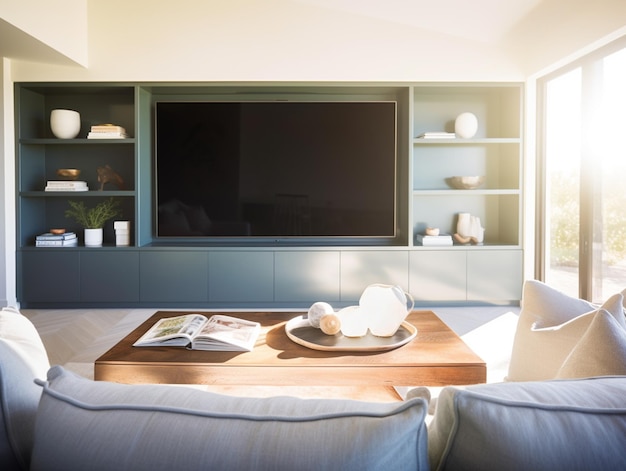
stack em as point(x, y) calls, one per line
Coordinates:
point(107, 175)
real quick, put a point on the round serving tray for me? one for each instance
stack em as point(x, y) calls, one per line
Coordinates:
point(301, 332)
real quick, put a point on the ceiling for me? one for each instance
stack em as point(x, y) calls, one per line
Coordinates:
point(475, 20)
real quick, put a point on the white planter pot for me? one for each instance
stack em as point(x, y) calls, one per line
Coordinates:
point(93, 237)
point(65, 124)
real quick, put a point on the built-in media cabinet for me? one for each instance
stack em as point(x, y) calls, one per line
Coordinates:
point(249, 272)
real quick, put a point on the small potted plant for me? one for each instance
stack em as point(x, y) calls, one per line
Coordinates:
point(93, 219)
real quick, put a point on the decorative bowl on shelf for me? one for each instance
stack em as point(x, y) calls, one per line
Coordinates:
point(68, 173)
point(467, 182)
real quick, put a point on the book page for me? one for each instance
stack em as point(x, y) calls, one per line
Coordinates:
point(225, 332)
point(177, 330)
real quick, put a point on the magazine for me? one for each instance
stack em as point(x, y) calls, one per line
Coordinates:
point(198, 332)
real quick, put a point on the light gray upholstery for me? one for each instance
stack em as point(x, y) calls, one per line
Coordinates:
point(549, 425)
point(22, 359)
point(83, 424)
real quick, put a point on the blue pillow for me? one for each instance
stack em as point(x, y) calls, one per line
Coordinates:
point(82, 424)
point(542, 425)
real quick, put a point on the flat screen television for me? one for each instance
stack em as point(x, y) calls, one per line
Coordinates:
point(276, 172)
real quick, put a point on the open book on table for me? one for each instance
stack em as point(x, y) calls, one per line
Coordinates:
point(199, 332)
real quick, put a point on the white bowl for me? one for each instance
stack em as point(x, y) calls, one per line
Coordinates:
point(467, 182)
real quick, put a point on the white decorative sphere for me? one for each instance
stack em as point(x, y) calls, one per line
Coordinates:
point(466, 125)
point(317, 311)
point(65, 124)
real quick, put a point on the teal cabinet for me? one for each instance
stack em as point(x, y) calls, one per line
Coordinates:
point(50, 275)
point(172, 276)
point(307, 277)
point(360, 268)
point(109, 276)
point(494, 275)
point(241, 277)
point(438, 275)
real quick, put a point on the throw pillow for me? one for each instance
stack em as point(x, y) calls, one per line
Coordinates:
point(84, 424)
point(542, 425)
point(550, 325)
point(22, 359)
point(601, 351)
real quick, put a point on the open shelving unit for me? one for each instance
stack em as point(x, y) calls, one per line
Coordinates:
point(148, 273)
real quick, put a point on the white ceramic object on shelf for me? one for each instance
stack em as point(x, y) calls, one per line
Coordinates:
point(93, 237)
point(466, 125)
point(65, 124)
point(469, 229)
point(466, 182)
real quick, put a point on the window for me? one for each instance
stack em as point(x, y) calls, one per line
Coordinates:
point(583, 176)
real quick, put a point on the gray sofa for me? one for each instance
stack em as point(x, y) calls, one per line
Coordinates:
point(64, 421)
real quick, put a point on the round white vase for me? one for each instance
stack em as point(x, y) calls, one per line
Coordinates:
point(65, 124)
point(466, 125)
point(93, 237)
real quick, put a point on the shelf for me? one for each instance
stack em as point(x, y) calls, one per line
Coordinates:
point(77, 194)
point(54, 141)
point(477, 192)
point(447, 142)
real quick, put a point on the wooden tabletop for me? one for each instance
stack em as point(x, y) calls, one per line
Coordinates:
point(436, 357)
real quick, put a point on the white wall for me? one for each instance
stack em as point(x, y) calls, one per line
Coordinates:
point(44, 30)
point(269, 40)
point(563, 29)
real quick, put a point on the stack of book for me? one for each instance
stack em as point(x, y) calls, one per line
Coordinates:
point(66, 185)
point(67, 239)
point(437, 135)
point(433, 240)
point(107, 131)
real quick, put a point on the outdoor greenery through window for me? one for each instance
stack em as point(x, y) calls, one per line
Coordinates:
point(584, 165)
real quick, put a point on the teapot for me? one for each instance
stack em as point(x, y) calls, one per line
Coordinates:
point(386, 307)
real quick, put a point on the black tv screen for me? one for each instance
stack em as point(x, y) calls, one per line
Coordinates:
point(276, 170)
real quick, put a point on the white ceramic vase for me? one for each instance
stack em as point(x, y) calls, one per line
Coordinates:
point(65, 124)
point(93, 237)
point(463, 225)
point(477, 231)
point(466, 125)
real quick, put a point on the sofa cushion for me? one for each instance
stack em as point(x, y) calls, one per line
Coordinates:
point(550, 325)
point(82, 424)
point(22, 359)
point(549, 425)
point(601, 351)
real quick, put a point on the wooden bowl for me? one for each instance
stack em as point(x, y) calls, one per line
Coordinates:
point(468, 182)
point(69, 173)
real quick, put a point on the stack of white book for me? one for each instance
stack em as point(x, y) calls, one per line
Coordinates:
point(66, 185)
point(433, 240)
point(437, 135)
point(67, 239)
point(107, 131)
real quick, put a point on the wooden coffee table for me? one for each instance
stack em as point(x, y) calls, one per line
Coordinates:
point(435, 357)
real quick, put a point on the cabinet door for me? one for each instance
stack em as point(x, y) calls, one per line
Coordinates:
point(307, 277)
point(49, 276)
point(109, 276)
point(438, 275)
point(362, 268)
point(494, 275)
point(174, 276)
point(241, 277)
